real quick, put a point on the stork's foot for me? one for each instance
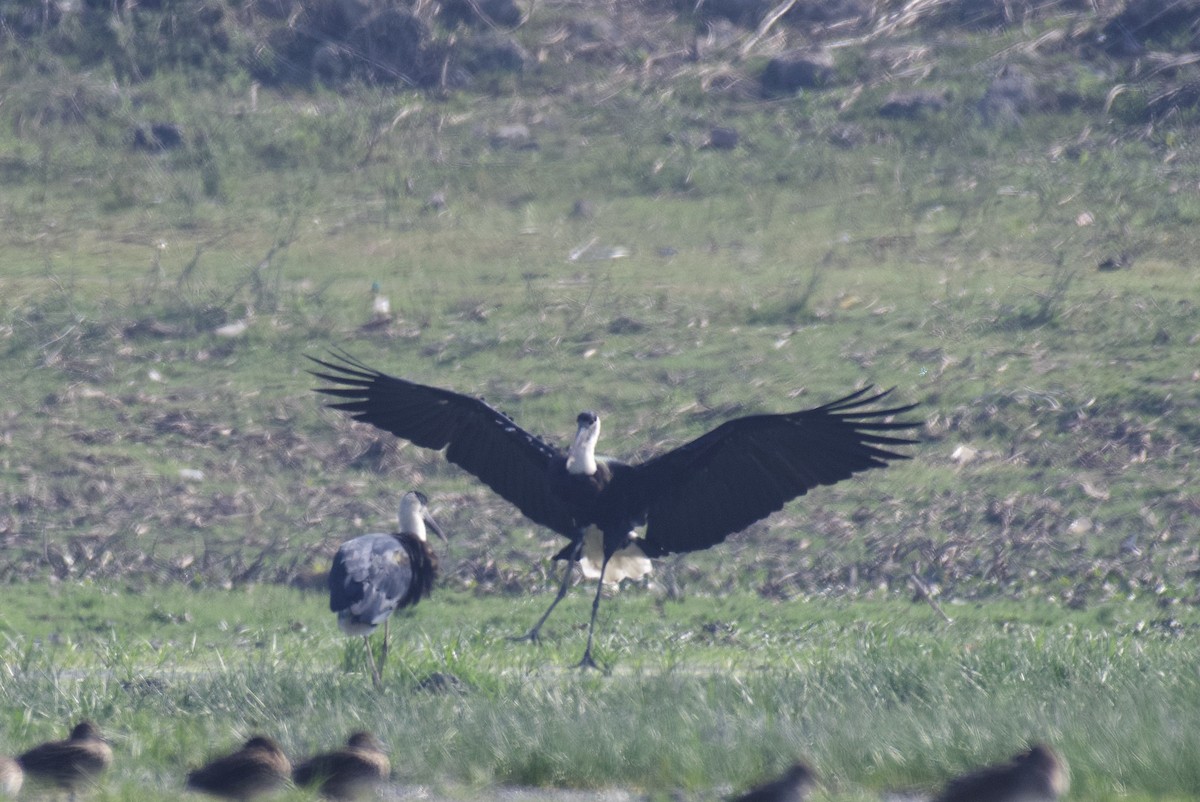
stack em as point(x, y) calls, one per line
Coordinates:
point(589, 662)
point(532, 636)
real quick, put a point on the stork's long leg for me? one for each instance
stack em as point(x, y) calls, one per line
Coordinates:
point(533, 635)
point(375, 675)
point(587, 661)
point(383, 655)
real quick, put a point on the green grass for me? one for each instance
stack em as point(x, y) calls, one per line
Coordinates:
point(704, 695)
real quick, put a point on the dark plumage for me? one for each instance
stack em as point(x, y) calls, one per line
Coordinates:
point(1036, 775)
point(690, 498)
point(69, 764)
point(11, 776)
point(258, 768)
point(349, 772)
point(376, 574)
point(792, 786)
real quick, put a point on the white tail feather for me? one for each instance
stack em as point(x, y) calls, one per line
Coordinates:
point(627, 563)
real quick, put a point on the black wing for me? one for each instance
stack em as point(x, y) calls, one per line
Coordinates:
point(477, 437)
point(369, 576)
point(747, 468)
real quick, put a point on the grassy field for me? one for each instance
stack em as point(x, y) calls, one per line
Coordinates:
point(171, 490)
point(704, 696)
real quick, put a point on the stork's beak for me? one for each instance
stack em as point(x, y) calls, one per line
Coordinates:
point(437, 530)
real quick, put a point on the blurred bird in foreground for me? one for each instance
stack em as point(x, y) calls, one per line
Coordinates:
point(11, 776)
point(1036, 775)
point(258, 768)
point(792, 786)
point(69, 764)
point(347, 773)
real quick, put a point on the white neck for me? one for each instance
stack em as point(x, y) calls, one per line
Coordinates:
point(581, 458)
point(412, 521)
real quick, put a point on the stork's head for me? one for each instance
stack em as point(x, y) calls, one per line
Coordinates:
point(581, 458)
point(414, 516)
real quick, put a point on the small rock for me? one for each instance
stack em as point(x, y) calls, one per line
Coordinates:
point(721, 138)
point(743, 12)
point(583, 210)
point(388, 47)
point(912, 103)
point(490, 53)
point(846, 135)
point(439, 682)
point(149, 327)
point(480, 13)
point(798, 70)
point(515, 135)
point(1009, 96)
point(964, 455)
point(157, 137)
point(1116, 261)
point(235, 329)
point(625, 325)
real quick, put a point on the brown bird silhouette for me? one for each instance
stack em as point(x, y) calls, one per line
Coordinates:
point(258, 768)
point(349, 772)
point(11, 776)
point(792, 786)
point(1036, 775)
point(69, 764)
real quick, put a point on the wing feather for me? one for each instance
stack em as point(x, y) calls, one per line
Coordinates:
point(476, 436)
point(747, 468)
point(369, 576)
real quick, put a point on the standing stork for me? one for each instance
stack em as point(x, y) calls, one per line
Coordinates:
point(689, 498)
point(373, 575)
